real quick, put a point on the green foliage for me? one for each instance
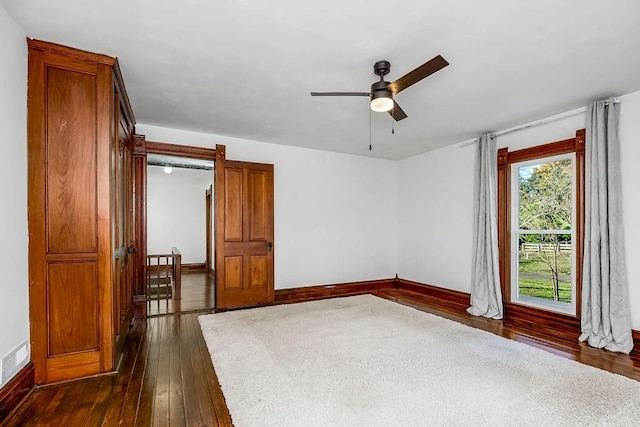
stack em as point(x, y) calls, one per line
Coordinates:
point(545, 192)
point(545, 196)
point(537, 265)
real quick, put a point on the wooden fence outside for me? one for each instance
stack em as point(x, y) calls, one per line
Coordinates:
point(528, 248)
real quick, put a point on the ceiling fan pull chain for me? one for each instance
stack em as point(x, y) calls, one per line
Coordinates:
point(370, 129)
point(393, 126)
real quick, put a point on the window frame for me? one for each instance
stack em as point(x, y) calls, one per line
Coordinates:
point(541, 303)
point(505, 161)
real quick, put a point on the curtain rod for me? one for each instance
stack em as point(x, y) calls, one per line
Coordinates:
point(535, 123)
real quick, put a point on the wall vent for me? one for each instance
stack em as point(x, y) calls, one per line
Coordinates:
point(14, 361)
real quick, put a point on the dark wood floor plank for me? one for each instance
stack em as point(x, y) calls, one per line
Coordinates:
point(52, 412)
point(144, 415)
point(176, 395)
point(82, 394)
point(120, 393)
point(99, 396)
point(101, 400)
point(190, 395)
point(33, 408)
point(198, 362)
point(161, 401)
point(138, 371)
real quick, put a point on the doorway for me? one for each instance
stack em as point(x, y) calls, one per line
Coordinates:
point(241, 260)
point(178, 242)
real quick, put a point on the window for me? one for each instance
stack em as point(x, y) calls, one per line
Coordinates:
point(543, 239)
point(540, 226)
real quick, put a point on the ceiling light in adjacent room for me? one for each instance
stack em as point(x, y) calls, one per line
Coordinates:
point(168, 169)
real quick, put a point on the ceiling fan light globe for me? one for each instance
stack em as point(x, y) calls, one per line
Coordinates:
point(382, 104)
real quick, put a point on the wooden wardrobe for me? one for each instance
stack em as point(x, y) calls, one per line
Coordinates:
point(80, 203)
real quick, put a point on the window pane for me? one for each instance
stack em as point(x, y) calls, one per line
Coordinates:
point(545, 196)
point(544, 266)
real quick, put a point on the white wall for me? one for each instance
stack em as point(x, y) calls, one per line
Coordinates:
point(435, 208)
point(630, 153)
point(335, 214)
point(435, 203)
point(176, 212)
point(14, 286)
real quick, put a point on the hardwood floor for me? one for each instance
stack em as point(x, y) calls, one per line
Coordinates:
point(166, 376)
point(198, 293)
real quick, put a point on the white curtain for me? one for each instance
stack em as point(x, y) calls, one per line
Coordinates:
point(486, 295)
point(605, 306)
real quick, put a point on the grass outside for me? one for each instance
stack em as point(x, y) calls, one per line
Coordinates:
point(536, 264)
point(535, 277)
point(543, 289)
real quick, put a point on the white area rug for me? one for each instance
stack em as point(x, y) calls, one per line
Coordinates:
point(365, 361)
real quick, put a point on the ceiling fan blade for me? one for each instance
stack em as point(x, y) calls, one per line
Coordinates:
point(418, 74)
point(397, 113)
point(340, 94)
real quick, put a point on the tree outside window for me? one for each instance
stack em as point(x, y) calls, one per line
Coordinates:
point(545, 213)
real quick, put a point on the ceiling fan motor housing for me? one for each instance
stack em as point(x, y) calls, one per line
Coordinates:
point(382, 68)
point(380, 90)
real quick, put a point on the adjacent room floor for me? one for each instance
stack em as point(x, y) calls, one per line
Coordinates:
point(198, 293)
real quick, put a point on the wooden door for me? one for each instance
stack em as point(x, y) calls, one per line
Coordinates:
point(244, 234)
point(122, 226)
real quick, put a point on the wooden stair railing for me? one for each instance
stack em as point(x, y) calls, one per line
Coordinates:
point(164, 273)
point(177, 273)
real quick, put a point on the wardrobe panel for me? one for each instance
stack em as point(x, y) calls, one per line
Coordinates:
point(71, 107)
point(72, 295)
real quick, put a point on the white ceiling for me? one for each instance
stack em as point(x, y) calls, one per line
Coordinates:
point(245, 68)
point(194, 177)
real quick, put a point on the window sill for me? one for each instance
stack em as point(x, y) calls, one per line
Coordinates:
point(546, 305)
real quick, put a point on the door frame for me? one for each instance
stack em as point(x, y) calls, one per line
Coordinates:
point(123, 262)
point(141, 148)
point(208, 232)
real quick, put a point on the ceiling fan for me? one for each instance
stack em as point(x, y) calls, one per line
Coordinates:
point(382, 92)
